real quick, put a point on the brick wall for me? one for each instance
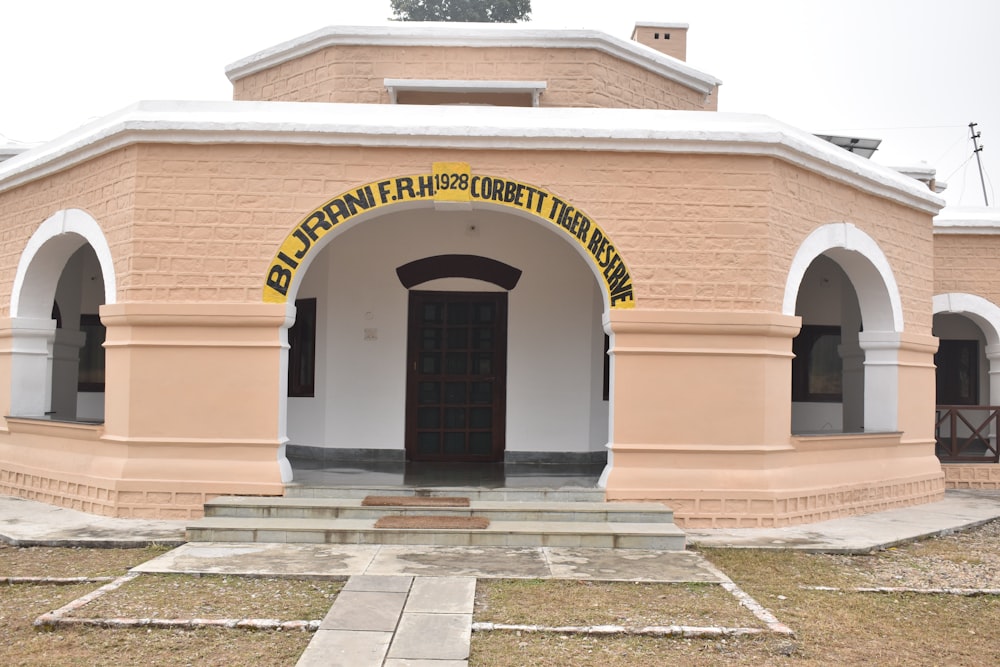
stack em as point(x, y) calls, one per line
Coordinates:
point(803, 201)
point(575, 77)
point(104, 187)
point(962, 263)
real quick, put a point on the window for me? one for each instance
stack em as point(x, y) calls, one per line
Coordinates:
point(607, 368)
point(91, 376)
point(957, 364)
point(302, 350)
point(817, 369)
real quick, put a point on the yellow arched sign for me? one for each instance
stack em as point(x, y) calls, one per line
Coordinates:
point(451, 182)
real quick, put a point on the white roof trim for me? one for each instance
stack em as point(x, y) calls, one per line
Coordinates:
point(668, 26)
point(474, 35)
point(533, 88)
point(979, 220)
point(455, 127)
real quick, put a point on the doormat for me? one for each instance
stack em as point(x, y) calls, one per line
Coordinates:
point(414, 501)
point(434, 522)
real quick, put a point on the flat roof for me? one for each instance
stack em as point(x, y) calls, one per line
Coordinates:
point(474, 35)
point(462, 127)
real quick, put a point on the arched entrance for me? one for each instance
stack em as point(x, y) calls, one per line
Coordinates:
point(404, 350)
point(845, 375)
point(64, 275)
point(967, 377)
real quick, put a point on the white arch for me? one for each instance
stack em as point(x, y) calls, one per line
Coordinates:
point(45, 255)
point(983, 312)
point(864, 263)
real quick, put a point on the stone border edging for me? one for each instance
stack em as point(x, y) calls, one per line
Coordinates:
point(969, 592)
point(686, 631)
point(55, 581)
point(59, 617)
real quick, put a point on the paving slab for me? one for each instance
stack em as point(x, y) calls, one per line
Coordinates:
point(388, 584)
point(629, 565)
point(27, 523)
point(309, 560)
point(345, 648)
point(960, 509)
point(365, 610)
point(391, 567)
point(432, 637)
point(442, 595)
point(491, 562)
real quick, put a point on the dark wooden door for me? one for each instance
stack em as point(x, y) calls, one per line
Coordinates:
point(456, 376)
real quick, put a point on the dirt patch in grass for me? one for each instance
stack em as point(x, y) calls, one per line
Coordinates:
point(553, 602)
point(496, 649)
point(149, 596)
point(22, 645)
point(215, 596)
point(71, 562)
point(832, 628)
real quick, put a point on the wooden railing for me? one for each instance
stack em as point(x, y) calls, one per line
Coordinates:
point(967, 433)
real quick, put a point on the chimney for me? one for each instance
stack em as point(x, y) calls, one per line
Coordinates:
point(668, 38)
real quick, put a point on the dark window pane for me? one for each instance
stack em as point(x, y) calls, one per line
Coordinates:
point(957, 376)
point(430, 392)
point(485, 312)
point(430, 363)
point(458, 313)
point(482, 392)
point(482, 338)
point(432, 312)
point(458, 339)
point(454, 443)
point(482, 364)
point(302, 350)
point(481, 418)
point(817, 369)
point(429, 418)
point(454, 392)
point(430, 339)
point(91, 376)
point(454, 418)
point(429, 442)
point(480, 444)
point(457, 363)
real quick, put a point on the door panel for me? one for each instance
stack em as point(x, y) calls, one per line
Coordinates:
point(456, 376)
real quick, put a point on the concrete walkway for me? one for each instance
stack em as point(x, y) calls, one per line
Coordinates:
point(396, 621)
point(406, 606)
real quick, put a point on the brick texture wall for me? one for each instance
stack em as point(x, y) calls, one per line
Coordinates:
point(104, 187)
point(804, 201)
point(962, 264)
point(699, 232)
point(575, 77)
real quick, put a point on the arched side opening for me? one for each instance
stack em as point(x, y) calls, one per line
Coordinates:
point(845, 375)
point(967, 377)
point(58, 372)
point(557, 398)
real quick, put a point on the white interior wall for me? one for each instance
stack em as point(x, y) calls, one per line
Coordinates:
point(820, 302)
point(554, 364)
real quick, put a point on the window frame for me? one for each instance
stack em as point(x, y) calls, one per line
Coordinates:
point(302, 343)
point(804, 364)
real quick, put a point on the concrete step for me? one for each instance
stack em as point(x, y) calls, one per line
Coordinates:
point(600, 534)
point(562, 494)
point(351, 508)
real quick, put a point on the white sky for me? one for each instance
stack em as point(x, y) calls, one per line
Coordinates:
point(913, 73)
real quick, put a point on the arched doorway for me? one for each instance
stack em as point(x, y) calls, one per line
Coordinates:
point(967, 377)
point(845, 374)
point(371, 345)
point(64, 275)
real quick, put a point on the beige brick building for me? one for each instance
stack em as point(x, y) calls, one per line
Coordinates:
point(475, 243)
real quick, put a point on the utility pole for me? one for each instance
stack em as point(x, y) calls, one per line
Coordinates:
point(976, 149)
